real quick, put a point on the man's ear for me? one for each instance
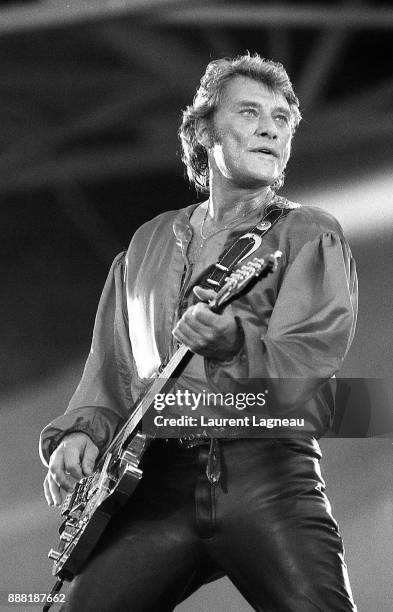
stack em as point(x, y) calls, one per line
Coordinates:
point(203, 133)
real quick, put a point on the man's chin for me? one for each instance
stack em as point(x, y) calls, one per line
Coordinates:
point(255, 181)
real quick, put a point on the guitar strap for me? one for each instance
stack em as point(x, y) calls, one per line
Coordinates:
point(244, 246)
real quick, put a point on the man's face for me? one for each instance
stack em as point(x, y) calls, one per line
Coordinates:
point(251, 134)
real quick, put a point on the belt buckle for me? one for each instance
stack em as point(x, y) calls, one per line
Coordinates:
point(192, 440)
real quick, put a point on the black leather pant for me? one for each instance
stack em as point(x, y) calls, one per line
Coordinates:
point(266, 525)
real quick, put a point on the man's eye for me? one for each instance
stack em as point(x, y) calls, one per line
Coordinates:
point(249, 112)
point(282, 119)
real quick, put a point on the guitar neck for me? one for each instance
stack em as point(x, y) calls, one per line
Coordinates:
point(158, 385)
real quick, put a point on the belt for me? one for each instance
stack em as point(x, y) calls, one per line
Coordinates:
point(213, 466)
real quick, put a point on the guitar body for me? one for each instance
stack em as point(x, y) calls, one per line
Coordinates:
point(96, 498)
point(90, 507)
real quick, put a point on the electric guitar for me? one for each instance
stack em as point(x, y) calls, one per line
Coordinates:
point(96, 498)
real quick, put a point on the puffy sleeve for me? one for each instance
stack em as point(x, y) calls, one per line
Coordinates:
point(310, 328)
point(103, 396)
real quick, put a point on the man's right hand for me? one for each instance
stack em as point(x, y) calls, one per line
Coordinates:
point(73, 459)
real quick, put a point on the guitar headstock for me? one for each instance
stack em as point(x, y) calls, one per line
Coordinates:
point(242, 276)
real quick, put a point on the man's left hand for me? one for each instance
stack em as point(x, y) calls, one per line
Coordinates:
point(206, 333)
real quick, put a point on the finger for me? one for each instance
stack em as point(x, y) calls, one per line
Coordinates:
point(187, 337)
point(211, 323)
point(194, 323)
point(202, 314)
point(196, 337)
point(72, 460)
point(58, 472)
point(188, 324)
point(89, 458)
point(54, 490)
point(205, 295)
point(47, 493)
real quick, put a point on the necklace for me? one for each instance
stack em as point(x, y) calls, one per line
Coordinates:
point(236, 222)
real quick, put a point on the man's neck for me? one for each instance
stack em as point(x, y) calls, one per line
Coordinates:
point(226, 205)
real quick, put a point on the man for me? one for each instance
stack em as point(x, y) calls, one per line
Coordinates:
point(259, 515)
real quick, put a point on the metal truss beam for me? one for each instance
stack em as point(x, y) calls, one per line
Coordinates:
point(319, 64)
point(284, 15)
point(57, 13)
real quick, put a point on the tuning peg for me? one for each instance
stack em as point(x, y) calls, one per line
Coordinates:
point(66, 536)
point(54, 554)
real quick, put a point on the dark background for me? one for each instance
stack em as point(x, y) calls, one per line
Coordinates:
point(90, 101)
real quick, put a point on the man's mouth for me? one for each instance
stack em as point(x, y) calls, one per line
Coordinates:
point(265, 151)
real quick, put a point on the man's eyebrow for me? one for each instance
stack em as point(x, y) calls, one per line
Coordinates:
point(282, 109)
point(279, 109)
point(246, 103)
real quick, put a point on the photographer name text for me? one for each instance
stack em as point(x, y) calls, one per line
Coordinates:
point(244, 421)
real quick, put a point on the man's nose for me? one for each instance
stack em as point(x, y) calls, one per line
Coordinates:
point(267, 127)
